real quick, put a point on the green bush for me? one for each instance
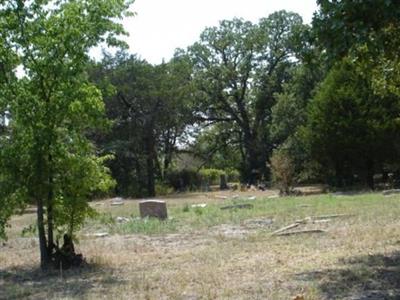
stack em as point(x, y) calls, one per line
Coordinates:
point(211, 176)
point(163, 189)
point(283, 172)
point(233, 175)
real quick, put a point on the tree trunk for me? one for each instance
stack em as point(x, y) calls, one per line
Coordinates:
point(150, 177)
point(44, 255)
point(50, 219)
point(369, 178)
point(251, 164)
point(339, 174)
point(49, 205)
point(150, 166)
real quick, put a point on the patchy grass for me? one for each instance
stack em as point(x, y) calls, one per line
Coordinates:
point(208, 253)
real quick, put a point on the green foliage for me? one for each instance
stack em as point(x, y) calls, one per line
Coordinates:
point(45, 156)
point(214, 145)
point(351, 129)
point(342, 26)
point(283, 170)
point(163, 189)
point(105, 219)
point(211, 175)
point(149, 110)
point(238, 67)
point(186, 208)
point(233, 175)
point(288, 114)
point(147, 226)
point(366, 30)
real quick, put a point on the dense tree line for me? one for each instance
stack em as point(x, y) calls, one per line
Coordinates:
point(325, 95)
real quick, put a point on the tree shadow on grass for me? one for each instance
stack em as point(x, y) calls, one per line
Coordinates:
point(18, 283)
point(363, 278)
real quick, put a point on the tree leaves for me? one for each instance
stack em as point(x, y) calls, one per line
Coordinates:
point(45, 155)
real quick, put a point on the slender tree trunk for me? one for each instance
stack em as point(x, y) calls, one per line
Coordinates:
point(339, 174)
point(167, 158)
point(39, 195)
point(251, 164)
point(50, 219)
point(150, 177)
point(150, 165)
point(370, 174)
point(44, 255)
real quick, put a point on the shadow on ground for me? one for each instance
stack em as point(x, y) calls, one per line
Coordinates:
point(360, 278)
point(17, 283)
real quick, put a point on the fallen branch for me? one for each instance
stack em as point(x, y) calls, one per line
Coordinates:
point(294, 225)
point(238, 206)
point(331, 216)
point(314, 219)
point(301, 232)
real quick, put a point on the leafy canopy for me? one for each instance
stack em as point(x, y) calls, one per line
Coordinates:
point(45, 157)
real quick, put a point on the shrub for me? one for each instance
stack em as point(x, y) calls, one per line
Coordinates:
point(282, 168)
point(233, 175)
point(163, 189)
point(211, 176)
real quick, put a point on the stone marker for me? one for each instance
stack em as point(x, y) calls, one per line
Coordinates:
point(122, 219)
point(153, 208)
point(117, 201)
point(201, 205)
point(97, 235)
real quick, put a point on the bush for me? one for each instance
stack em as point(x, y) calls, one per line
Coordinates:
point(211, 176)
point(163, 189)
point(282, 167)
point(233, 175)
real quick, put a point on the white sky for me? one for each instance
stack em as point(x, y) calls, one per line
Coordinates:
point(161, 26)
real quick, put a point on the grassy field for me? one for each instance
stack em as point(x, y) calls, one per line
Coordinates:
point(209, 253)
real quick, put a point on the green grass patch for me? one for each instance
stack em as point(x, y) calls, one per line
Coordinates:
point(185, 218)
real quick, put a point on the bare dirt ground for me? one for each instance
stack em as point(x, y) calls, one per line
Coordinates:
point(357, 258)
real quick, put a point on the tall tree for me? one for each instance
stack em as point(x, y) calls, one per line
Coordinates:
point(45, 157)
point(342, 26)
point(367, 34)
point(289, 114)
point(368, 31)
point(351, 130)
point(150, 111)
point(238, 67)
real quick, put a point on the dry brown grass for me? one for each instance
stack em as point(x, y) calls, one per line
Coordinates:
point(357, 257)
